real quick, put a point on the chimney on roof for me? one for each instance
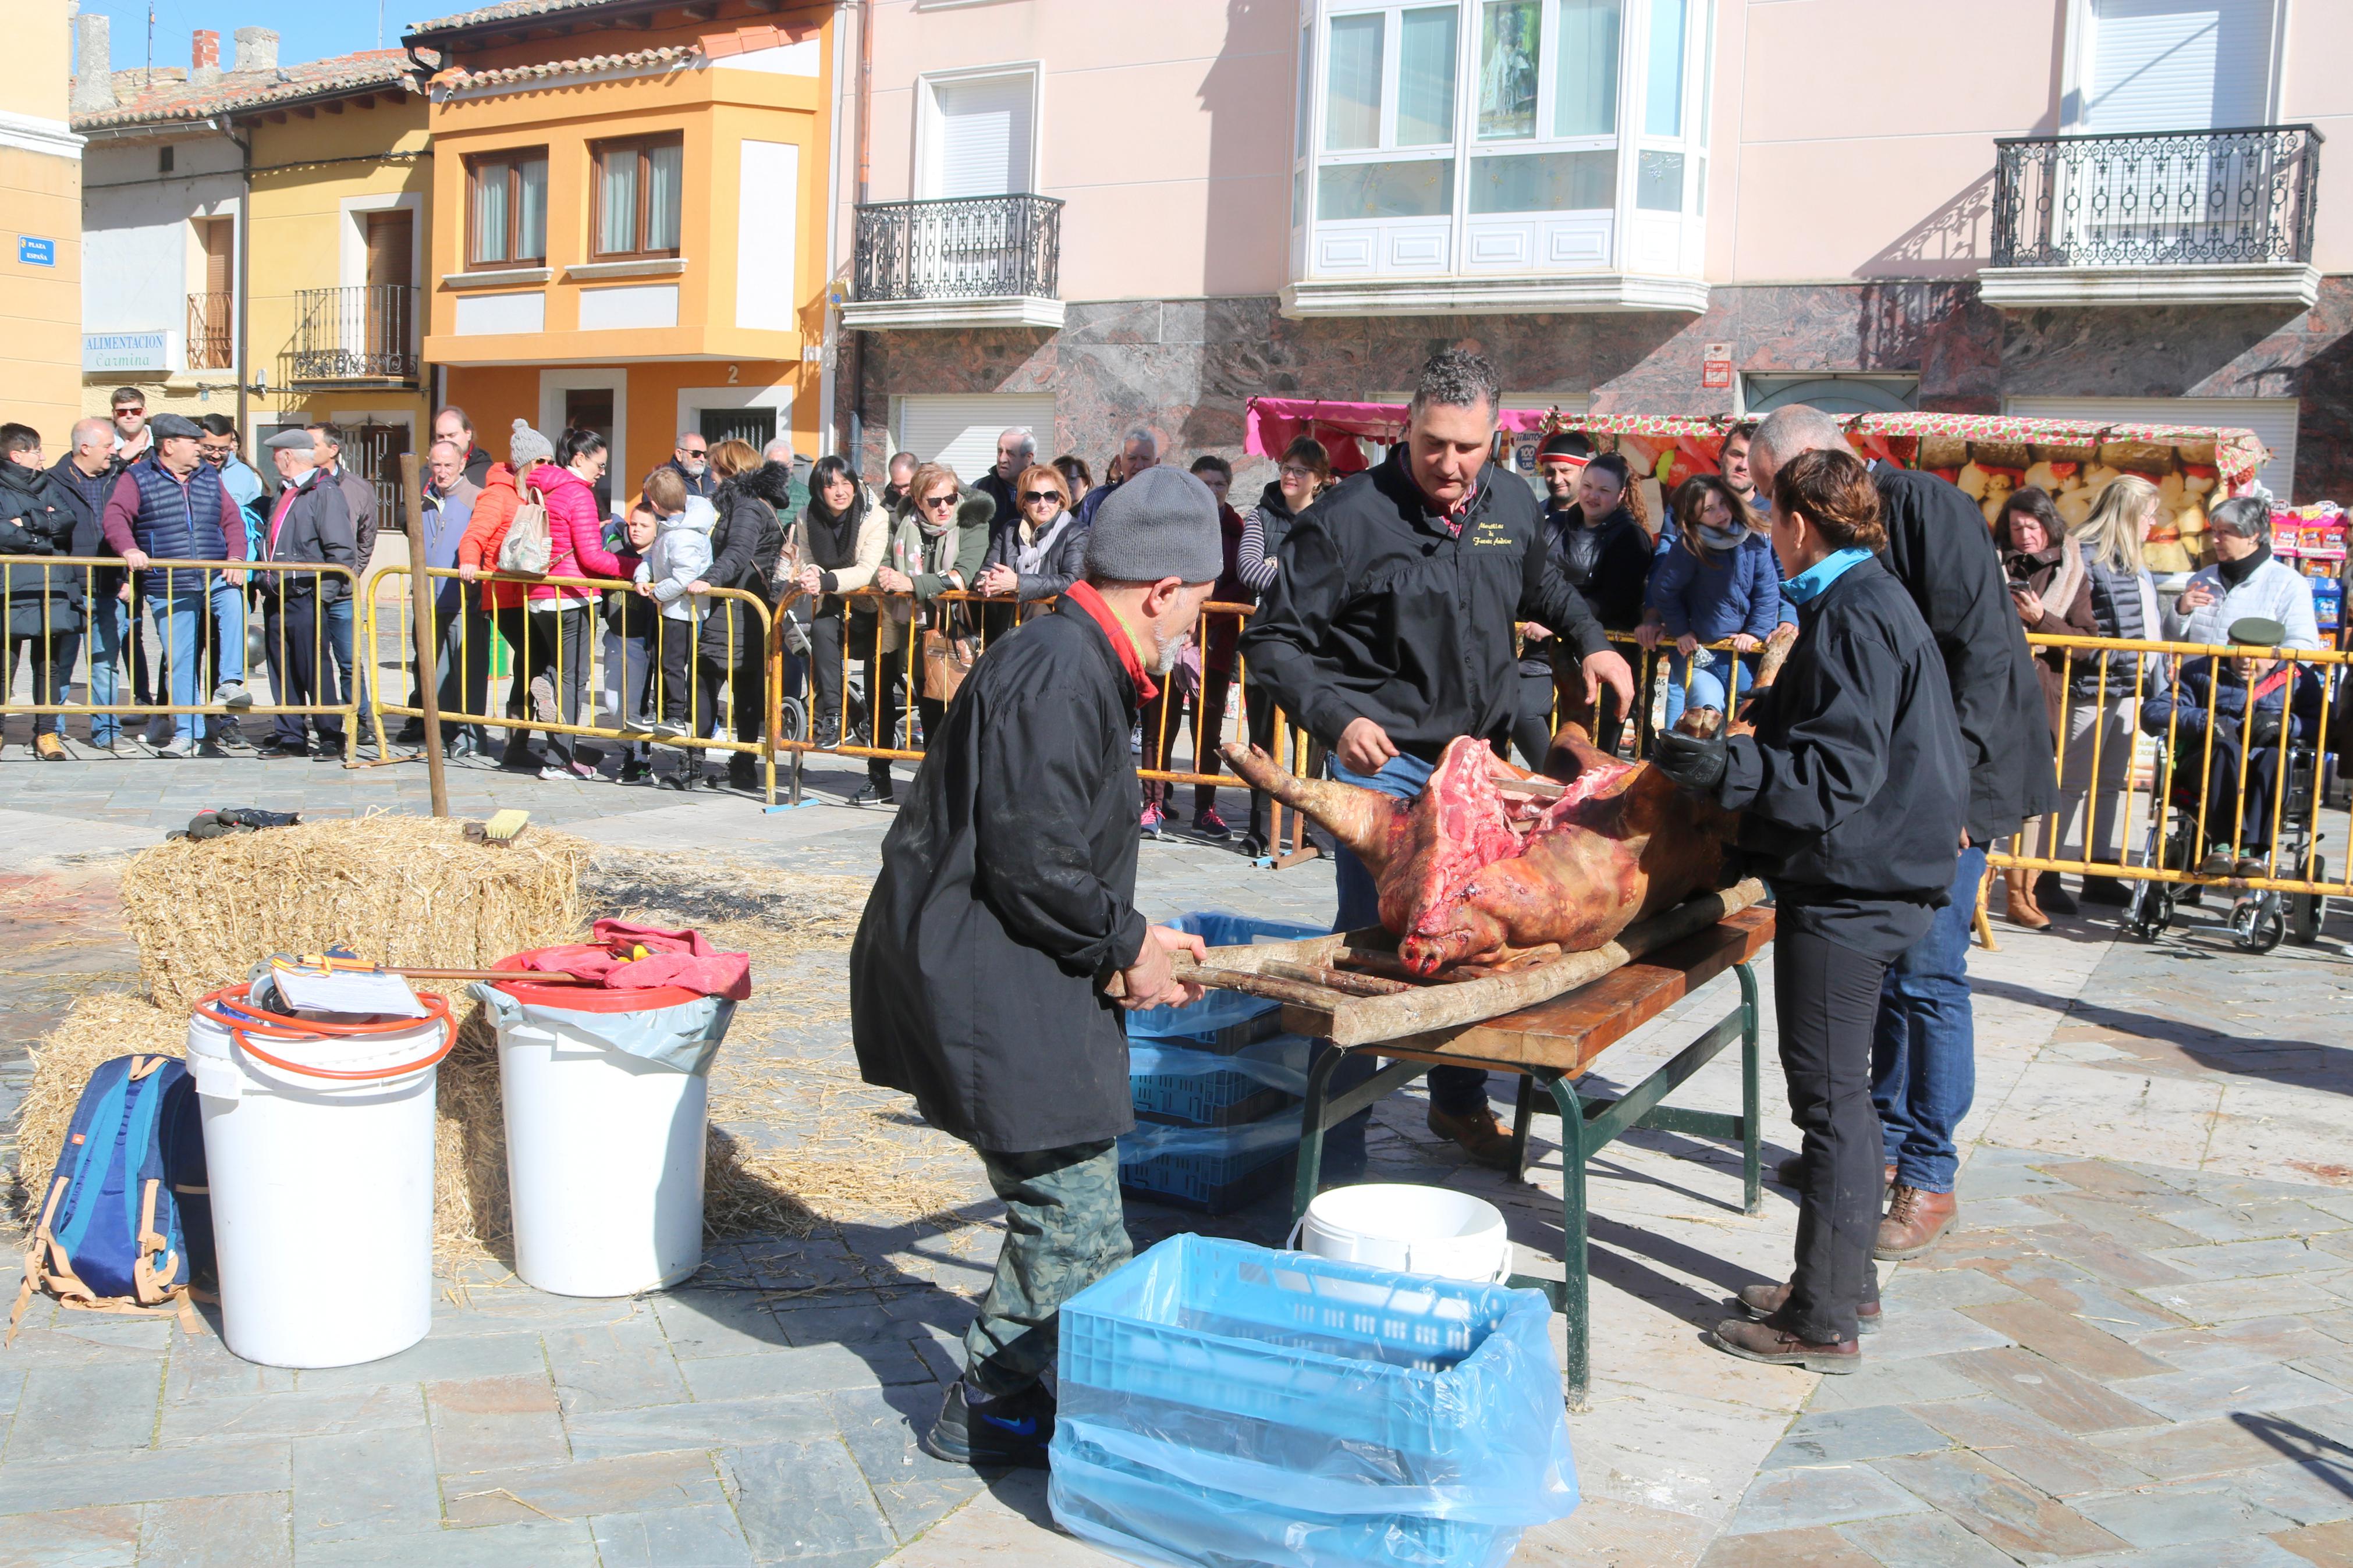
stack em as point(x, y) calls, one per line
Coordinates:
point(204, 56)
point(257, 49)
point(93, 87)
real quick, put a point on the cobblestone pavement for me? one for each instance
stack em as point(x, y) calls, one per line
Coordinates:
point(2139, 1349)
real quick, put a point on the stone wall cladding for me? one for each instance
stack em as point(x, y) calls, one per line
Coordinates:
point(1184, 368)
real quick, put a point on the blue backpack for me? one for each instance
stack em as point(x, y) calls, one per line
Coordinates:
point(126, 1223)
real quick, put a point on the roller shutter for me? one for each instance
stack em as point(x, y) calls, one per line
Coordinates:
point(961, 431)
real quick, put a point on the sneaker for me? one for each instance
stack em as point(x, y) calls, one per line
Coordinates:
point(47, 747)
point(542, 700)
point(1209, 825)
point(1153, 819)
point(555, 772)
point(688, 777)
point(232, 694)
point(637, 771)
point(176, 749)
point(873, 794)
point(232, 739)
point(997, 1434)
point(667, 729)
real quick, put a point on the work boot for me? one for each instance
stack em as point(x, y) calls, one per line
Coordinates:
point(742, 772)
point(1763, 1300)
point(1793, 1171)
point(1916, 1219)
point(1477, 1133)
point(2052, 897)
point(2021, 910)
point(1753, 1340)
point(996, 1434)
point(48, 748)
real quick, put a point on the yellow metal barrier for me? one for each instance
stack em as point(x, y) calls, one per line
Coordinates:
point(2195, 811)
point(229, 596)
point(570, 660)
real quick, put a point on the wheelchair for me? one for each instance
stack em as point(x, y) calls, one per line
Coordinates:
point(2259, 918)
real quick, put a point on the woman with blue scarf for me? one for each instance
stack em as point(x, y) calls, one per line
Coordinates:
point(1717, 581)
point(1853, 793)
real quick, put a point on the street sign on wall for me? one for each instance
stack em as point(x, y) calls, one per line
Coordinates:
point(126, 350)
point(32, 251)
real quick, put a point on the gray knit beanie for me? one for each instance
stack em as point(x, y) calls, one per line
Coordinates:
point(527, 446)
point(1161, 523)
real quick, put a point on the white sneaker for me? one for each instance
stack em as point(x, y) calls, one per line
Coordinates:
point(176, 749)
point(232, 694)
point(556, 773)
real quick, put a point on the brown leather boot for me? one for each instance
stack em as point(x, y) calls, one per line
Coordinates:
point(1916, 1219)
point(1764, 1301)
point(2022, 910)
point(1753, 1340)
point(1478, 1134)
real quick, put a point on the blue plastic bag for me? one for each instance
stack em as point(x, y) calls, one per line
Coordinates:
point(1223, 1403)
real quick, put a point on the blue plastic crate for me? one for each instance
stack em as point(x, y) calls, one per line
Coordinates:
point(1215, 1169)
point(1222, 1019)
point(1170, 1082)
point(1145, 1515)
point(1309, 1388)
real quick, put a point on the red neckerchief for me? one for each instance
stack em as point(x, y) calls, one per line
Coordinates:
point(2267, 686)
point(1123, 641)
point(1454, 517)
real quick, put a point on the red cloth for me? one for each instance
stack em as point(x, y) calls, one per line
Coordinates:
point(680, 958)
point(1122, 642)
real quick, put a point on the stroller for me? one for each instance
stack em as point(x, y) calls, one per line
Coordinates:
point(2285, 724)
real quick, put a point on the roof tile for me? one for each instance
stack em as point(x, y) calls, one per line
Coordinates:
point(540, 70)
point(168, 100)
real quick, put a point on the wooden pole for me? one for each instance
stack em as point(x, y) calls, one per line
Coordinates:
point(428, 662)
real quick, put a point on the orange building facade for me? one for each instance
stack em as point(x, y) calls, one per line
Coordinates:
point(630, 203)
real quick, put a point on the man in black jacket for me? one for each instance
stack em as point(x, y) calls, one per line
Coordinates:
point(310, 520)
point(1923, 1059)
point(1388, 633)
point(43, 608)
point(1005, 905)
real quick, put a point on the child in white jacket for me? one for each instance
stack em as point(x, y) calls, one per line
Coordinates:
point(669, 575)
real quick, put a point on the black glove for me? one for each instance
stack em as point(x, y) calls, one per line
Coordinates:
point(2266, 728)
point(1695, 763)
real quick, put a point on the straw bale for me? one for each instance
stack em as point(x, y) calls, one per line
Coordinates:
point(396, 890)
point(849, 1160)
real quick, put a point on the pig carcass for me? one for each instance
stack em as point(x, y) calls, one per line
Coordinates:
point(1476, 876)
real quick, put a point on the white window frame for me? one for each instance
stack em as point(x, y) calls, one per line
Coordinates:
point(2075, 66)
point(924, 176)
point(1312, 38)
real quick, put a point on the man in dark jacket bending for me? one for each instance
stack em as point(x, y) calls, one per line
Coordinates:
point(1923, 1059)
point(1388, 633)
point(1006, 903)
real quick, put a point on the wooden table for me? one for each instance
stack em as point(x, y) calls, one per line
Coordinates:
point(1554, 1045)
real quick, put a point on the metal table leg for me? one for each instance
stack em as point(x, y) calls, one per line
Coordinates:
point(1752, 1095)
point(1575, 1301)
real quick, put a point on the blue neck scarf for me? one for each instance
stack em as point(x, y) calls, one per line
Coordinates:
point(1808, 584)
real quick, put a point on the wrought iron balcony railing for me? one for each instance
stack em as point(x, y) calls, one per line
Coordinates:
point(360, 332)
point(965, 247)
point(2172, 198)
point(210, 346)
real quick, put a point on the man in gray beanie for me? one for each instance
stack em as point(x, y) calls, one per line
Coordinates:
point(1006, 905)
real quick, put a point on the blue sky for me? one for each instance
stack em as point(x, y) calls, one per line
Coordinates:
point(306, 29)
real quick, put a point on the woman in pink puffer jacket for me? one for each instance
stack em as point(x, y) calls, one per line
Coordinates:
point(554, 659)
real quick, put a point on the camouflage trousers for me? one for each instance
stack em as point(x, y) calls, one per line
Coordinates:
point(1064, 1229)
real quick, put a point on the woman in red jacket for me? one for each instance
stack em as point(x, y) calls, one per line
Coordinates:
point(557, 630)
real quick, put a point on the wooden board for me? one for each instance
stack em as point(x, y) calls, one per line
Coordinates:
point(1365, 1020)
point(1569, 1033)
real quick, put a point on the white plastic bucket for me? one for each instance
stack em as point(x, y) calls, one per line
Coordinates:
point(319, 1141)
point(604, 1154)
point(1409, 1229)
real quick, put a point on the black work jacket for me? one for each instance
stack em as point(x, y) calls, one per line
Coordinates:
point(1852, 786)
point(1938, 548)
point(37, 517)
point(1378, 613)
point(317, 527)
point(1006, 898)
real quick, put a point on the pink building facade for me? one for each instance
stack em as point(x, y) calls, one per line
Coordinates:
point(1087, 217)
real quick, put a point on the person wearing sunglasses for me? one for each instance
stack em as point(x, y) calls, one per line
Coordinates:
point(1046, 552)
point(938, 546)
point(691, 461)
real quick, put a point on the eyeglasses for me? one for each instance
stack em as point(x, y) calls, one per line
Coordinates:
point(945, 500)
point(695, 451)
point(1293, 471)
point(1040, 495)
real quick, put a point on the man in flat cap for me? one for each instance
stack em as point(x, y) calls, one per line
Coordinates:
point(171, 505)
point(310, 521)
point(1006, 903)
